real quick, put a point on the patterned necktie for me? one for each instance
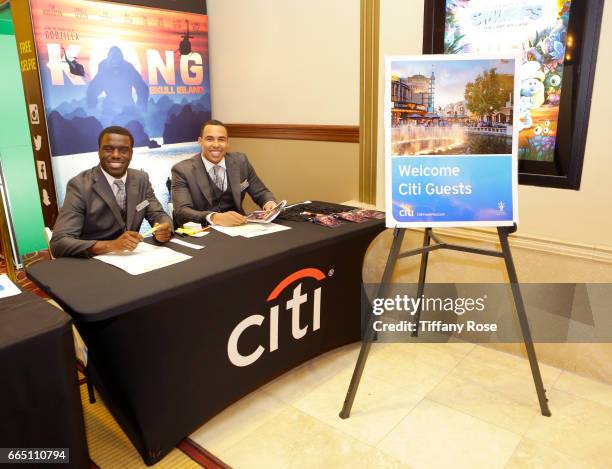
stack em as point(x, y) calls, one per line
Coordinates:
point(218, 174)
point(120, 195)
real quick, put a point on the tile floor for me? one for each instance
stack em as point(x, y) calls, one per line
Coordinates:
point(418, 406)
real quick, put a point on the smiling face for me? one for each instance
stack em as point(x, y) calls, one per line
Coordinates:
point(531, 86)
point(214, 143)
point(115, 154)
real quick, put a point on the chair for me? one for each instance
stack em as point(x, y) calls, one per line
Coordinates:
point(80, 348)
point(48, 236)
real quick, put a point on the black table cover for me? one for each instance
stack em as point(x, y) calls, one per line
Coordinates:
point(167, 348)
point(40, 404)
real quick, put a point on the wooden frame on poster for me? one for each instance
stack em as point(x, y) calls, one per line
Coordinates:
point(574, 107)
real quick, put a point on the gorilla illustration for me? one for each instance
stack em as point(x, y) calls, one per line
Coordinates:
point(116, 77)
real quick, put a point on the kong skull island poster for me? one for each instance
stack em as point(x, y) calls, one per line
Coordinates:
point(107, 63)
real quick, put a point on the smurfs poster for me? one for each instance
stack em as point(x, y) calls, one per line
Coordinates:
point(142, 68)
point(537, 29)
point(451, 140)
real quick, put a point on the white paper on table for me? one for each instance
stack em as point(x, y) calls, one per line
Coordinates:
point(7, 288)
point(186, 244)
point(268, 228)
point(240, 230)
point(144, 258)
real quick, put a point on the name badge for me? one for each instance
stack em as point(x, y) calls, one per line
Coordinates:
point(141, 205)
point(243, 185)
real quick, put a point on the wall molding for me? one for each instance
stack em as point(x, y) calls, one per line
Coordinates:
point(534, 243)
point(553, 246)
point(319, 133)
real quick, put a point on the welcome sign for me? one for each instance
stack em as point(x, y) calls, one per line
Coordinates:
point(451, 140)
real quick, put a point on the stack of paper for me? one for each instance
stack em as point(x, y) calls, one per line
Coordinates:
point(251, 230)
point(145, 258)
point(267, 229)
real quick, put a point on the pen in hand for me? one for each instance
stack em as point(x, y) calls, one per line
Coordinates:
point(161, 232)
point(152, 230)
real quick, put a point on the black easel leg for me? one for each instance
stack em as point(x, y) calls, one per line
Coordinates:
point(520, 311)
point(422, 273)
point(398, 237)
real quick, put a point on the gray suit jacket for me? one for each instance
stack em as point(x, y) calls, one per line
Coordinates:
point(192, 195)
point(90, 212)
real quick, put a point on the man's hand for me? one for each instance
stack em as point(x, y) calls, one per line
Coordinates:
point(228, 219)
point(128, 241)
point(163, 233)
point(269, 205)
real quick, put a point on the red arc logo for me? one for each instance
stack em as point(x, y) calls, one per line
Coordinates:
point(297, 275)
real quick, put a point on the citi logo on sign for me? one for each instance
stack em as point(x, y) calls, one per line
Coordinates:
point(294, 305)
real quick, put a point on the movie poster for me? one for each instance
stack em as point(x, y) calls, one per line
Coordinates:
point(537, 29)
point(451, 140)
point(104, 64)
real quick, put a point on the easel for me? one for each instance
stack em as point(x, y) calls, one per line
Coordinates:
point(394, 255)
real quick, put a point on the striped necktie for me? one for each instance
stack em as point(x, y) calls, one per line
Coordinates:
point(219, 180)
point(120, 195)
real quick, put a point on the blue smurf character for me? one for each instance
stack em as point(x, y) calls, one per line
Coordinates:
point(532, 92)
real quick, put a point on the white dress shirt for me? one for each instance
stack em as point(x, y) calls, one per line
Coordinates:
point(209, 169)
point(112, 179)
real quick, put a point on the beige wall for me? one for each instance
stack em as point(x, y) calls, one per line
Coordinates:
point(290, 62)
point(581, 217)
point(285, 62)
point(278, 61)
point(296, 170)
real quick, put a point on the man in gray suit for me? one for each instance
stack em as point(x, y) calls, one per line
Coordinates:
point(105, 205)
point(209, 187)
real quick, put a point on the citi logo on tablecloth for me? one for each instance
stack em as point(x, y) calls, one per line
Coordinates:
point(294, 305)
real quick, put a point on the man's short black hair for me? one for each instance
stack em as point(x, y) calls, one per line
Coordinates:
point(212, 122)
point(115, 129)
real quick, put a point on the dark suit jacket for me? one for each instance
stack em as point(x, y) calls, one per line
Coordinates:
point(192, 195)
point(90, 212)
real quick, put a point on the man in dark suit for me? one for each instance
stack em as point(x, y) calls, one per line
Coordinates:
point(209, 187)
point(105, 205)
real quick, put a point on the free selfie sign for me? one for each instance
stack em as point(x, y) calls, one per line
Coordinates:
point(451, 140)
